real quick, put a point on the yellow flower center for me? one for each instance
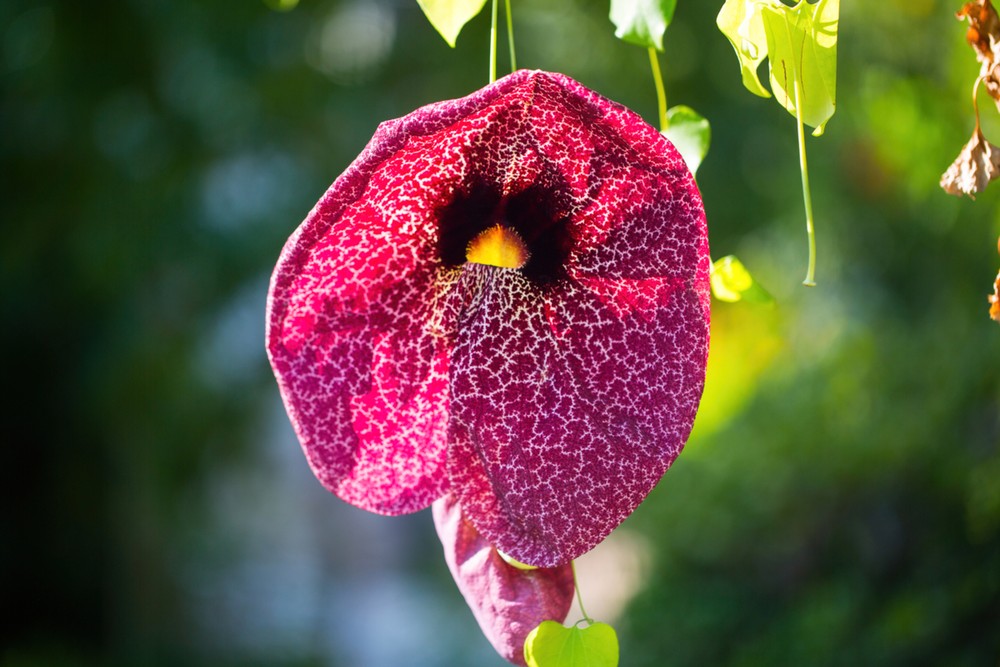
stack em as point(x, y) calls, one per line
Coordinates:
point(497, 246)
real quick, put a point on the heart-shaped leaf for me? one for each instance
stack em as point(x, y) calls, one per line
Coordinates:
point(690, 134)
point(552, 644)
point(642, 22)
point(802, 51)
point(449, 16)
point(740, 21)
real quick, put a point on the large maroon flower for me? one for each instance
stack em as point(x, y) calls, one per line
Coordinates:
point(547, 395)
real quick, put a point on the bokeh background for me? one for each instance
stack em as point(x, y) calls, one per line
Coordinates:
point(838, 504)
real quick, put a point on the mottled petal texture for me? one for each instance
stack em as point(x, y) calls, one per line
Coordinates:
point(547, 399)
point(508, 602)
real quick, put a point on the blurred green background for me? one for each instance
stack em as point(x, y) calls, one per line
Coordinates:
point(838, 504)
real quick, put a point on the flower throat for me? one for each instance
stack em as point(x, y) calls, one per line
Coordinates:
point(527, 230)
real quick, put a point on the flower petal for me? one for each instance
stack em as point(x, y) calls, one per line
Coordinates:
point(549, 399)
point(356, 333)
point(508, 602)
point(360, 358)
point(569, 405)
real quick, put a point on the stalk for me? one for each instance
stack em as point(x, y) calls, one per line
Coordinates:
point(661, 93)
point(493, 44)
point(579, 598)
point(510, 38)
point(810, 280)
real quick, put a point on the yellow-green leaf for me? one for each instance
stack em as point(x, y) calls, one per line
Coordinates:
point(732, 282)
point(552, 644)
point(740, 21)
point(802, 52)
point(449, 16)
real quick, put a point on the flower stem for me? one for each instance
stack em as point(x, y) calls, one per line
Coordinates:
point(661, 93)
point(810, 280)
point(510, 37)
point(579, 598)
point(493, 44)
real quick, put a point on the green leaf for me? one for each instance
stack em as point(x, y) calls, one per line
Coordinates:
point(732, 282)
point(552, 644)
point(690, 133)
point(642, 22)
point(449, 16)
point(740, 21)
point(802, 47)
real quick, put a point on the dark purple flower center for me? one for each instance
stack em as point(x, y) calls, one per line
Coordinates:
point(538, 214)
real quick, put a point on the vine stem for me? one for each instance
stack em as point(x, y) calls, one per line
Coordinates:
point(810, 280)
point(579, 598)
point(510, 37)
point(975, 102)
point(493, 44)
point(661, 93)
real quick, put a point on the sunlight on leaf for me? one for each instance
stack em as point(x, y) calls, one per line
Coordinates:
point(740, 21)
point(552, 644)
point(802, 51)
point(801, 45)
point(690, 133)
point(747, 341)
point(732, 282)
point(449, 16)
point(642, 22)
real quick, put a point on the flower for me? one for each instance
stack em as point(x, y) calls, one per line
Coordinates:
point(547, 394)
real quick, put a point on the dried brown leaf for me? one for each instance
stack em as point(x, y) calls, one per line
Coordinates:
point(984, 28)
point(995, 297)
point(984, 37)
point(974, 168)
point(995, 300)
